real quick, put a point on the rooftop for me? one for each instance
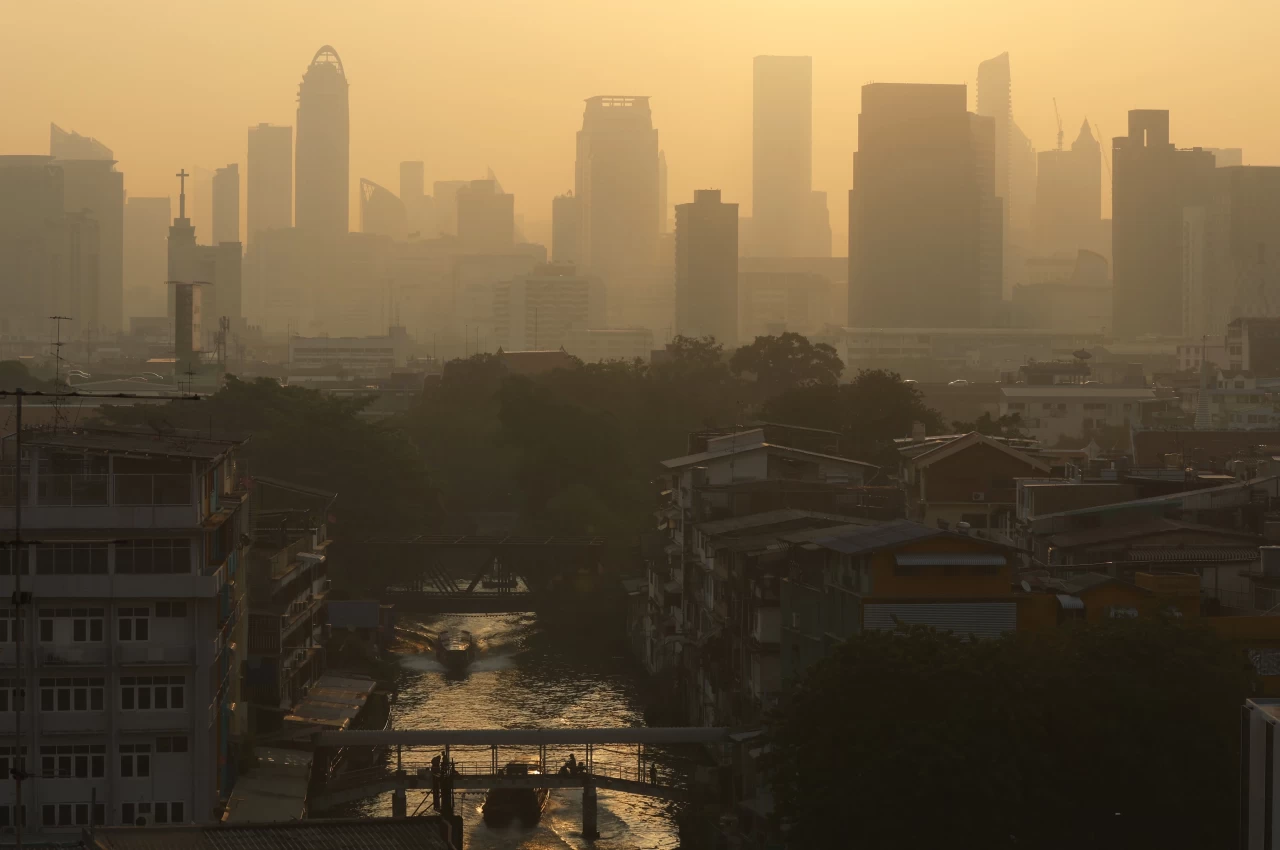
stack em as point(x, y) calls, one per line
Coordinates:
point(417, 833)
point(1132, 531)
point(170, 444)
point(884, 536)
point(763, 520)
point(1075, 391)
point(702, 457)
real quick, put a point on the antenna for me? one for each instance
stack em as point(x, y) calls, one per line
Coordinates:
point(56, 345)
point(1059, 117)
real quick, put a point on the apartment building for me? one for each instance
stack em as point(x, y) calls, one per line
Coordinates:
point(132, 549)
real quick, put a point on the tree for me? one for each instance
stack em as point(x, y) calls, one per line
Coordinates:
point(1009, 425)
point(871, 411)
point(786, 362)
point(921, 739)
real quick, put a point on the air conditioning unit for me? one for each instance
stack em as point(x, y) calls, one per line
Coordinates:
point(142, 820)
point(978, 496)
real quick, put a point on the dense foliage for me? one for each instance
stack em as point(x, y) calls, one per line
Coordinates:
point(1121, 734)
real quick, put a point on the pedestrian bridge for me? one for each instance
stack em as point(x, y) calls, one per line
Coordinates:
point(476, 758)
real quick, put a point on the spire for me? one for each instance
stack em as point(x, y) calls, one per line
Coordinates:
point(1085, 138)
point(182, 176)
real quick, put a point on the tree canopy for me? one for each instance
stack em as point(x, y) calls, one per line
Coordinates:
point(1122, 734)
point(786, 362)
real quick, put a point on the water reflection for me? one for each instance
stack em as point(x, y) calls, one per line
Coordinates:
point(527, 677)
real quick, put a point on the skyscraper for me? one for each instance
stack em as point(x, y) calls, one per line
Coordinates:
point(226, 204)
point(617, 186)
point(270, 179)
point(782, 157)
point(923, 213)
point(381, 212)
point(419, 211)
point(146, 222)
point(91, 183)
point(995, 100)
point(322, 195)
point(707, 268)
point(486, 218)
point(565, 227)
point(1152, 183)
point(445, 194)
point(1069, 197)
point(662, 192)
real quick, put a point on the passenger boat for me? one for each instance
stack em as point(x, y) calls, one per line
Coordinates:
point(455, 650)
point(504, 805)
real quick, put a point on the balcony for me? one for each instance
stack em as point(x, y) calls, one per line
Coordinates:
point(72, 722)
point(104, 501)
point(151, 654)
point(72, 655)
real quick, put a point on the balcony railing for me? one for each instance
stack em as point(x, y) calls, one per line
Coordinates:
point(86, 490)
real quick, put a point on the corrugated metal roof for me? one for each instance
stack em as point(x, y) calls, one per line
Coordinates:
point(767, 518)
point(965, 559)
point(702, 457)
point(1070, 603)
point(978, 619)
point(1208, 554)
point(860, 540)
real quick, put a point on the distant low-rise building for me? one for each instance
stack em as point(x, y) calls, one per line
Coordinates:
point(1052, 413)
point(593, 345)
point(352, 356)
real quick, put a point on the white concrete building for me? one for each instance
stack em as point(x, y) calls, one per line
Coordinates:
point(592, 345)
point(1053, 412)
point(133, 549)
point(367, 356)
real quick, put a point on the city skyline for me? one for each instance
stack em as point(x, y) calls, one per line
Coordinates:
point(402, 109)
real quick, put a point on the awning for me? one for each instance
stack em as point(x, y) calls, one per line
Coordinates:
point(1201, 554)
point(964, 559)
point(1070, 603)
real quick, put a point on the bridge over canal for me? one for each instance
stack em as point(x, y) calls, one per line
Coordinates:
point(476, 759)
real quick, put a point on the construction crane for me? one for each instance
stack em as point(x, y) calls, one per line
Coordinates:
point(1059, 117)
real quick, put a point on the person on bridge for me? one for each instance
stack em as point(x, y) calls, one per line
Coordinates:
point(653, 774)
point(573, 763)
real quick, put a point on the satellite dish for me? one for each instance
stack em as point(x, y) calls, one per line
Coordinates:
point(1082, 354)
point(1026, 586)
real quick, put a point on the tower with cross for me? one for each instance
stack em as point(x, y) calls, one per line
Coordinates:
point(182, 176)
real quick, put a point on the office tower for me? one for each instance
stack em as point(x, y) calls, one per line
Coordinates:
point(486, 218)
point(200, 201)
point(535, 312)
point(226, 204)
point(1231, 250)
point(662, 192)
point(566, 216)
point(72, 145)
point(818, 237)
point(782, 156)
point(617, 186)
point(270, 179)
point(381, 212)
point(1069, 197)
point(445, 193)
point(146, 224)
point(417, 203)
point(921, 209)
point(30, 242)
point(216, 270)
point(322, 193)
point(991, 222)
point(93, 185)
point(1152, 182)
point(995, 101)
point(707, 268)
point(1015, 164)
point(1226, 157)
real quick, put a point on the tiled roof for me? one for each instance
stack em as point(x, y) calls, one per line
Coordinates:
point(419, 833)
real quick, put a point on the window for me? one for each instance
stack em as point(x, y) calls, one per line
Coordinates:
point(169, 812)
point(73, 761)
point(9, 816)
point(134, 623)
point(153, 556)
point(64, 559)
point(8, 625)
point(10, 695)
point(144, 693)
point(171, 609)
point(78, 625)
point(176, 744)
point(71, 694)
point(8, 761)
point(71, 814)
point(9, 557)
point(135, 761)
point(1017, 405)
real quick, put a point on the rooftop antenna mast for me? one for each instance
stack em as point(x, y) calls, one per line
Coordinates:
point(56, 345)
point(1059, 117)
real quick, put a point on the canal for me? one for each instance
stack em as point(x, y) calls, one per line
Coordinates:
point(527, 676)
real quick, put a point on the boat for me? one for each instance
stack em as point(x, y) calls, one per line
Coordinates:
point(502, 806)
point(455, 650)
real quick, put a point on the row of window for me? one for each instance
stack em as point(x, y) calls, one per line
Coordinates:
point(137, 693)
point(89, 761)
point(90, 558)
point(86, 624)
point(77, 814)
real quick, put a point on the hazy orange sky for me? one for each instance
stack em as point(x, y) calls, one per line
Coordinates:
point(466, 85)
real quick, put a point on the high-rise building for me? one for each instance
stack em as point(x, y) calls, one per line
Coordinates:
point(995, 101)
point(566, 214)
point(707, 268)
point(1069, 197)
point(445, 193)
point(419, 212)
point(1151, 185)
point(782, 157)
point(1227, 157)
point(323, 194)
point(925, 225)
point(1015, 164)
point(662, 192)
point(617, 186)
point(535, 312)
point(270, 179)
point(93, 185)
point(486, 218)
point(381, 212)
point(214, 269)
point(146, 224)
point(226, 204)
